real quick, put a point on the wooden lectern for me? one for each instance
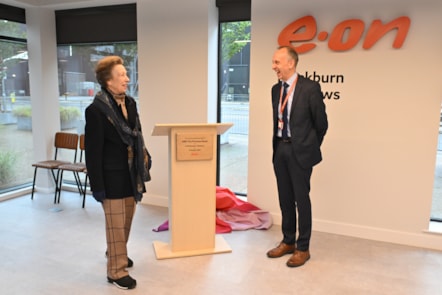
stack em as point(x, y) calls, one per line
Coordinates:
point(192, 190)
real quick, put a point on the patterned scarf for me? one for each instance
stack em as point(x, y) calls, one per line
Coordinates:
point(139, 159)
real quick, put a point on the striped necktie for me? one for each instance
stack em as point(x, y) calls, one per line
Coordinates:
point(284, 113)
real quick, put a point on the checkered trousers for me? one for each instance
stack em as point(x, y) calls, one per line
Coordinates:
point(118, 214)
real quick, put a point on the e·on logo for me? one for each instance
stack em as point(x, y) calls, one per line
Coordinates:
point(344, 36)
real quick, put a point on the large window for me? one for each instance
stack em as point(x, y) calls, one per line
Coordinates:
point(84, 36)
point(234, 104)
point(16, 150)
point(233, 92)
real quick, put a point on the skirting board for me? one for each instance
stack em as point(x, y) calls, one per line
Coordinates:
point(155, 200)
point(163, 251)
point(423, 239)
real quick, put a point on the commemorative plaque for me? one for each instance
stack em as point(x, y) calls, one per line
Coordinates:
point(194, 146)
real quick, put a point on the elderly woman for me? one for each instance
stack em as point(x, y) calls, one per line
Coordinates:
point(117, 163)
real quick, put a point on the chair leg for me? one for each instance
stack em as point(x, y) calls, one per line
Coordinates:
point(78, 182)
point(33, 184)
point(58, 181)
point(84, 190)
point(80, 188)
point(35, 177)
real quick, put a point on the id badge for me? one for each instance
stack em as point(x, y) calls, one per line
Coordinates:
point(280, 124)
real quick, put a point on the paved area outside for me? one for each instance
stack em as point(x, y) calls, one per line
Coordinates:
point(234, 162)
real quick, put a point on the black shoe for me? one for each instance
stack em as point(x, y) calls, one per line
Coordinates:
point(130, 263)
point(124, 283)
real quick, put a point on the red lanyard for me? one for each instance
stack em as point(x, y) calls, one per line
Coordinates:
point(282, 105)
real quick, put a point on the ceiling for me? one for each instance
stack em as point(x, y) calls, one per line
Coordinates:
point(48, 2)
point(64, 4)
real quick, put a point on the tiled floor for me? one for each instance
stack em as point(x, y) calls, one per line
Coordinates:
point(48, 249)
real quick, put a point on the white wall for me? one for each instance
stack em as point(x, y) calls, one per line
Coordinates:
point(379, 154)
point(174, 51)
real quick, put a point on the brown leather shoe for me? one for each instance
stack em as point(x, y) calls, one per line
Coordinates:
point(298, 258)
point(281, 250)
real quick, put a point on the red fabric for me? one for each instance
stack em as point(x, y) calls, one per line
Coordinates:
point(225, 200)
point(222, 227)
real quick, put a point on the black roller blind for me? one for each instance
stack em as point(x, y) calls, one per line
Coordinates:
point(116, 23)
point(12, 13)
point(234, 10)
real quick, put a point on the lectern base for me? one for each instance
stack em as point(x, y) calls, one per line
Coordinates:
point(163, 251)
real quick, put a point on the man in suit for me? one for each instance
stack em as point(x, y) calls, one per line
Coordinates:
point(299, 125)
point(117, 163)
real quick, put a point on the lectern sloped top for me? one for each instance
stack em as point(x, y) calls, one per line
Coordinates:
point(164, 129)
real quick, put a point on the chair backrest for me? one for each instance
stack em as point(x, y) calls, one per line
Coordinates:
point(64, 140)
point(82, 142)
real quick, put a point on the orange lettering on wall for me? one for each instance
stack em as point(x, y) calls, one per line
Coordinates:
point(301, 30)
point(354, 28)
point(377, 30)
point(301, 33)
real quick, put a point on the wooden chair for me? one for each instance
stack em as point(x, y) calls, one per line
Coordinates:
point(63, 140)
point(76, 168)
